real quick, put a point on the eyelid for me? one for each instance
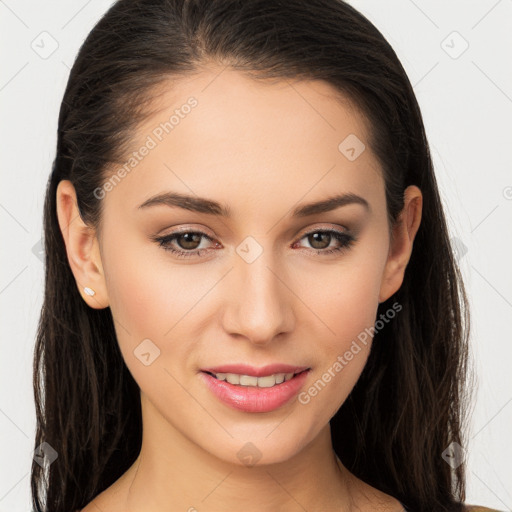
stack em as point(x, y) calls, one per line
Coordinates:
point(301, 234)
point(188, 229)
point(329, 227)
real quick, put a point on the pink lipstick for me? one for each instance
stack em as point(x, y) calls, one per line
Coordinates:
point(254, 390)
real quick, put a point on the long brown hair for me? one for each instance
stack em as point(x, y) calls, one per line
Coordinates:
point(409, 403)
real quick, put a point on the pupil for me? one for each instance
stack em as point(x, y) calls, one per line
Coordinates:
point(314, 238)
point(188, 237)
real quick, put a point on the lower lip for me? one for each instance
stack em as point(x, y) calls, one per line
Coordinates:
point(253, 398)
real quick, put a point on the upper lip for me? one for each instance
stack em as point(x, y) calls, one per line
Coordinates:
point(264, 371)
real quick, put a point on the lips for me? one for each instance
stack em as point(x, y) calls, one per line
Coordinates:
point(255, 399)
point(264, 371)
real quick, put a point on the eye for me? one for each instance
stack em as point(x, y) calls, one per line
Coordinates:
point(185, 244)
point(320, 240)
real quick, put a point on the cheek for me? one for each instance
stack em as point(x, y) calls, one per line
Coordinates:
point(148, 294)
point(148, 308)
point(352, 299)
point(347, 304)
point(146, 300)
point(349, 310)
point(347, 301)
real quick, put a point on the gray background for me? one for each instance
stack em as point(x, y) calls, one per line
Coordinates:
point(458, 56)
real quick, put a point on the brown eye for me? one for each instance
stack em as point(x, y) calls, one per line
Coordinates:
point(319, 239)
point(189, 241)
point(183, 244)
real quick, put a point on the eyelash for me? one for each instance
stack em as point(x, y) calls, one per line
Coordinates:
point(345, 239)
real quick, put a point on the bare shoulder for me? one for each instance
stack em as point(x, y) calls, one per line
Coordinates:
point(111, 500)
point(102, 502)
point(478, 508)
point(97, 504)
point(370, 499)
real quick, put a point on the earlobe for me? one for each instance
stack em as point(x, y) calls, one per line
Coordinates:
point(401, 245)
point(81, 247)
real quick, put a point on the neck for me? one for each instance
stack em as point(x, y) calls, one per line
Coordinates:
point(173, 473)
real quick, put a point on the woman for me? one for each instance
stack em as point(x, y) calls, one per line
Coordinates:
point(251, 299)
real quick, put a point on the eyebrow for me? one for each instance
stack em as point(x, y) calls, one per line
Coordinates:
point(210, 207)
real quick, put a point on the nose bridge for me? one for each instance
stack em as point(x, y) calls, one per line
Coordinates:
point(259, 306)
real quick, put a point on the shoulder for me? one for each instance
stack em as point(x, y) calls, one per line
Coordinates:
point(478, 508)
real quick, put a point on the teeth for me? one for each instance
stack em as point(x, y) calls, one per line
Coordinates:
point(248, 380)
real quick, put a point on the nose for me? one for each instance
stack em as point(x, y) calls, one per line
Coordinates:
point(258, 301)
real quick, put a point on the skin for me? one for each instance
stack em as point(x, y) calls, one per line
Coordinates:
point(263, 149)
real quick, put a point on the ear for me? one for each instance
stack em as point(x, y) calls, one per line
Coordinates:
point(82, 247)
point(402, 239)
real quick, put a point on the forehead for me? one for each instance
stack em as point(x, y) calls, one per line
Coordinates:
point(222, 134)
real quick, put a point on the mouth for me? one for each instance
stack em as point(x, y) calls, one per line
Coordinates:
point(255, 394)
point(267, 381)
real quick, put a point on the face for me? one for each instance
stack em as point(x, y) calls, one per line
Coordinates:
point(271, 282)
